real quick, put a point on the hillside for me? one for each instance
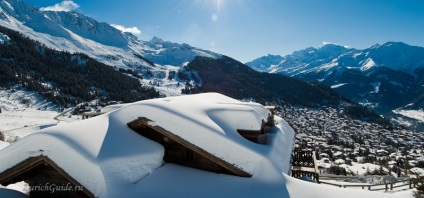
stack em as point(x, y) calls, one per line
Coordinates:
point(61, 77)
point(233, 78)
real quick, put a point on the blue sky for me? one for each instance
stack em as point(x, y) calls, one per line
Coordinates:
point(248, 29)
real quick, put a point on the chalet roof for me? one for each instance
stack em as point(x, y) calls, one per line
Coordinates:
point(17, 172)
point(104, 154)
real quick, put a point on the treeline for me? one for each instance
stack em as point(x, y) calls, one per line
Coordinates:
point(64, 78)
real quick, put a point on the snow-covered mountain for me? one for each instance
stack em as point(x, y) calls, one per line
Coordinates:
point(77, 33)
point(394, 55)
point(74, 32)
point(298, 61)
point(384, 77)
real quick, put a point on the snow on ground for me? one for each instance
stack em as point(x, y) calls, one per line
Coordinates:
point(3, 144)
point(401, 121)
point(324, 163)
point(299, 188)
point(401, 192)
point(376, 86)
point(367, 64)
point(338, 85)
point(361, 169)
point(24, 112)
point(418, 171)
point(415, 114)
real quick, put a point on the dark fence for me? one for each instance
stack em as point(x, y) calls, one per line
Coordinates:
point(375, 187)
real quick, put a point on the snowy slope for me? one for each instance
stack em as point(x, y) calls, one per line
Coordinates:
point(74, 32)
point(25, 112)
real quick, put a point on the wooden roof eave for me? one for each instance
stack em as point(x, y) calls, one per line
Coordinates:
point(7, 176)
point(142, 122)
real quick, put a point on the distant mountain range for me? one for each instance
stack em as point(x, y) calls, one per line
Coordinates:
point(385, 77)
point(74, 32)
point(170, 68)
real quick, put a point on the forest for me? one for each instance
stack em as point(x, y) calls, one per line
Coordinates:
point(64, 78)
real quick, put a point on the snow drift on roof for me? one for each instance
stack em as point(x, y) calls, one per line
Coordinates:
point(111, 160)
point(105, 156)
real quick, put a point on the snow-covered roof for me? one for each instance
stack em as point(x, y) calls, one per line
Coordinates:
point(106, 156)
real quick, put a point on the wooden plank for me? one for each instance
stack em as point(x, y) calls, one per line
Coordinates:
point(315, 161)
point(338, 185)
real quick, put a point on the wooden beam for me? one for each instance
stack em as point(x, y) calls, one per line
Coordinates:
point(142, 122)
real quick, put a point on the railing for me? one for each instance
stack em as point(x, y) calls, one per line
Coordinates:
point(375, 187)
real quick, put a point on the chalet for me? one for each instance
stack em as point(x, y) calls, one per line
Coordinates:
point(42, 170)
point(86, 115)
point(180, 151)
point(115, 154)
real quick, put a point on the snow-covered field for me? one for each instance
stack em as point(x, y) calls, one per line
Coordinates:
point(415, 114)
point(24, 112)
point(418, 171)
point(401, 192)
point(362, 169)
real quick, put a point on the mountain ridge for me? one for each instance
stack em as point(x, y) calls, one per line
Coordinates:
point(75, 32)
point(385, 77)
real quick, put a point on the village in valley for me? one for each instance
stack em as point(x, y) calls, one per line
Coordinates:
point(344, 146)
